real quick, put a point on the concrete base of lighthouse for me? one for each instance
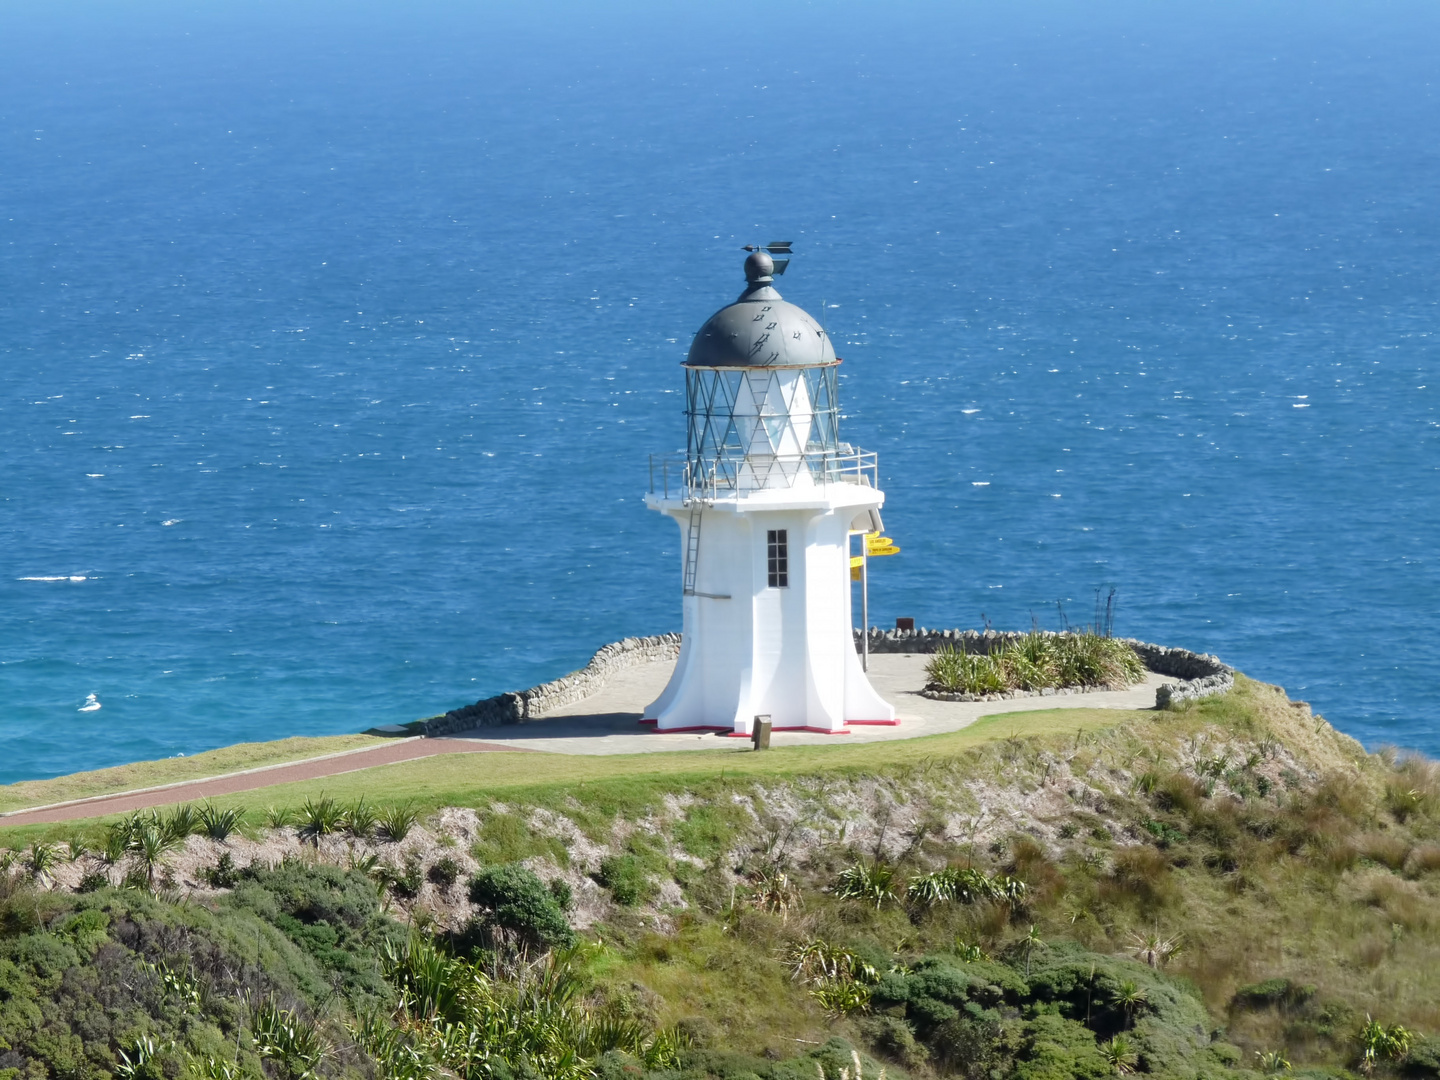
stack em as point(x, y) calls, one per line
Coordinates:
point(751, 649)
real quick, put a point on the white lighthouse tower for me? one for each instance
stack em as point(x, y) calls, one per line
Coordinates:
point(767, 498)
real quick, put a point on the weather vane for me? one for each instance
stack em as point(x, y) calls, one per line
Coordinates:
point(775, 247)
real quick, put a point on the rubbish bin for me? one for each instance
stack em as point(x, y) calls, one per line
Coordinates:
point(760, 733)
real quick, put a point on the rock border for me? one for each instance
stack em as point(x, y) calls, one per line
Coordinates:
point(1199, 674)
point(520, 706)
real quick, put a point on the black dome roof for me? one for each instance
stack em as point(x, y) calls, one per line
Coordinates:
point(760, 329)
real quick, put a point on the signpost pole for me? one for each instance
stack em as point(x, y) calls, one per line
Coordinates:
point(864, 607)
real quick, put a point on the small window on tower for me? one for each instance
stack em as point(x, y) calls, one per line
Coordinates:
point(777, 558)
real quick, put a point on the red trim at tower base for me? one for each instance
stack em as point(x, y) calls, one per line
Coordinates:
point(732, 734)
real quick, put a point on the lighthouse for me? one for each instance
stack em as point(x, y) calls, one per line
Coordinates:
point(766, 498)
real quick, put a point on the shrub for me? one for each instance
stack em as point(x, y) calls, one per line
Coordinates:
point(953, 672)
point(95, 879)
point(1093, 660)
point(625, 877)
point(873, 882)
point(1180, 793)
point(1281, 993)
point(1379, 1040)
point(965, 886)
point(1153, 948)
point(139, 1060)
point(516, 900)
point(116, 843)
point(1389, 851)
point(1423, 1058)
point(320, 817)
point(1419, 774)
point(817, 962)
point(277, 817)
point(406, 883)
point(563, 894)
point(1424, 859)
point(1165, 834)
point(1143, 874)
point(1119, 1054)
point(773, 891)
point(444, 872)
point(310, 892)
point(397, 821)
point(840, 998)
point(181, 822)
point(224, 874)
point(360, 819)
point(41, 859)
point(896, 1038)
point(150, 845)
point(219, 824)
point(1271, 1061)
point(1403, 802)
point(292, 1043)
point(330, 914)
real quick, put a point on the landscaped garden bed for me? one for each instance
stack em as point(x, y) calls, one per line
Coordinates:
point(1037, 663)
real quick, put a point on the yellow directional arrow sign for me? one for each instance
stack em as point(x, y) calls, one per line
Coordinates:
point(875, 544)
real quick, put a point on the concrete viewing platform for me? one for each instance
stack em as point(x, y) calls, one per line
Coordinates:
point(608, 721)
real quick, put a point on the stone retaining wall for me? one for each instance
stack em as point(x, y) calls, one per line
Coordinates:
point(1200, 674)
point(516, 708)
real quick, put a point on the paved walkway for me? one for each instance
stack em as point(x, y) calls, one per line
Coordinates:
point(249, 780)
point(605, 723)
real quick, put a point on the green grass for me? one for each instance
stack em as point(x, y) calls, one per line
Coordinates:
point(507, 838)
point(709, 830)
point(614, 784)
point(145, 774)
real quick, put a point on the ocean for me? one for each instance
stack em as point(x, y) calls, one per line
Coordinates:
point(334, 339)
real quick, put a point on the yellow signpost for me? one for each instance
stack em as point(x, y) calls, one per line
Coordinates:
point(874, 545)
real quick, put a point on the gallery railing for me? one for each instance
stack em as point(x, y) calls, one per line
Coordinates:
point(676, 476)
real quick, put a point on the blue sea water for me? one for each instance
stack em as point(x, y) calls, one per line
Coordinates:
point(334, 338)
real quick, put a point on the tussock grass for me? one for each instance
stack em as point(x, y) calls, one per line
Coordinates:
point(1423, 859)
point(1037, 662)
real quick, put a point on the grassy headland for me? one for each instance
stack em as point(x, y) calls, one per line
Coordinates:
point(1222, 890)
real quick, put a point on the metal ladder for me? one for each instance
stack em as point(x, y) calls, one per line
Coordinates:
point(692, 550)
